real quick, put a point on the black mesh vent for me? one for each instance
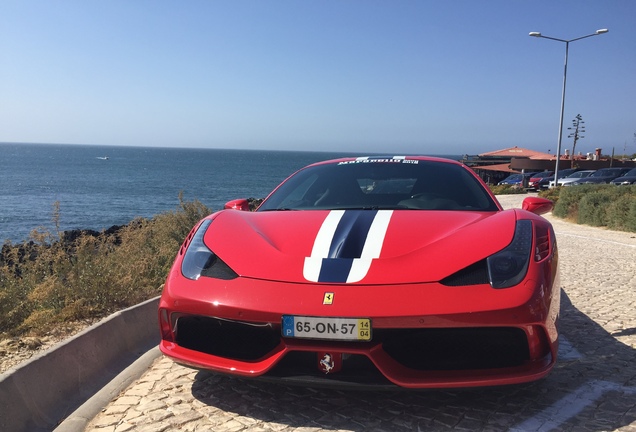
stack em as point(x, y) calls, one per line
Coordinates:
point(458, 349)
point(472, 275)
point(217, 269)
point(231, 339)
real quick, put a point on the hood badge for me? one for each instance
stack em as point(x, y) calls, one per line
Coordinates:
point(328, 298)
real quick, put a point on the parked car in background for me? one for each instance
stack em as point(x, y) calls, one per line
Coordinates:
point(604, 175)
point(516, 179)
point(568, 180)
point(545, 182)
point(533, 182)
point(627, 179)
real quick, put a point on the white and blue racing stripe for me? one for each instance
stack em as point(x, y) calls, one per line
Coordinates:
point(347, 243)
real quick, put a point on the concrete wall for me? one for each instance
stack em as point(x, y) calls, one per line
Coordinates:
point(39, 394)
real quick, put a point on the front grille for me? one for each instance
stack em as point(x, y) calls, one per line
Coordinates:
point(446, 349)
point(457, 349)
point(230, 339)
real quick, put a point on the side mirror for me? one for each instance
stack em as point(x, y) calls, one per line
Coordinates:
point(537, 205)
point(238, 204)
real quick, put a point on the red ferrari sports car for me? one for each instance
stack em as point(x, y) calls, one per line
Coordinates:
point(369, 271)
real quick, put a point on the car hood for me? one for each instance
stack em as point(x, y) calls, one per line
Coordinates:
point(356, 246)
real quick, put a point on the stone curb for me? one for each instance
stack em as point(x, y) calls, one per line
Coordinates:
point(39, 394)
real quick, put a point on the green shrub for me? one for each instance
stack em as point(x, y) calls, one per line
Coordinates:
point(90, 276)
point(599, 205)
point(567, 205)
point(13, 299)
point(551, 194)
point(630, 224)
point(618, 216)
point(592, 208)
point(506, 189)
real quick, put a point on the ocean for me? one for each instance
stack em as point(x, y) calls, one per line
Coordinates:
point(101, 186)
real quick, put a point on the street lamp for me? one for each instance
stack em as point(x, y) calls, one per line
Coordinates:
point(565, 73)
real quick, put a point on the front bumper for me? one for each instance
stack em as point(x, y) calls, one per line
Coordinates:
point(414, 358)
point(461, 337)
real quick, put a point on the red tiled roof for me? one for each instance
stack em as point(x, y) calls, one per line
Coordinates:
point(519, 152)
point(500, 167)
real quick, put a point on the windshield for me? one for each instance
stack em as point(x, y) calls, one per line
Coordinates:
point(543, 174)
point(604, 172)
point(381, 184)
point(580, 174)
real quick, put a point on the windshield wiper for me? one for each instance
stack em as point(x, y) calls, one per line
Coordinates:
point(280, 209)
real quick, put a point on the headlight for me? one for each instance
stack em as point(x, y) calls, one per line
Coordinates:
point(199, 260)
point(509, 266)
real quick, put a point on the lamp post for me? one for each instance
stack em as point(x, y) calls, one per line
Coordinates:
point(565, 74)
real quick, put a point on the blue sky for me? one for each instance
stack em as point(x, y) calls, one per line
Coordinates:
point(432, 77)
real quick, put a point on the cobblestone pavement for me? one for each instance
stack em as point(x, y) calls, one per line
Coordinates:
point(592, 388)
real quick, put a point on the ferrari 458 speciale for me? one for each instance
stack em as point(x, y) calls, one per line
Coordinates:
point(370, 271)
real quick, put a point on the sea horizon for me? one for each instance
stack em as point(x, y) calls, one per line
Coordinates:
point(177, 147)
point(99, 186)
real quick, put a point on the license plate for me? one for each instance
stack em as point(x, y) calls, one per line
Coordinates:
point(346, 329)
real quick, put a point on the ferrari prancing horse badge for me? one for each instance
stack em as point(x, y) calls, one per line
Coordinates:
point(328, 298)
